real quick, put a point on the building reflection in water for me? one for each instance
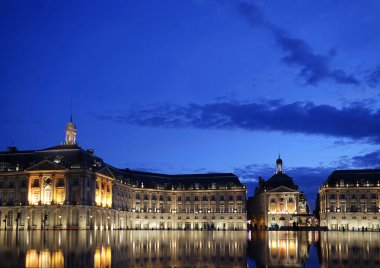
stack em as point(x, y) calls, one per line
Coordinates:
point(280, 248)
point(350, 249)
point(334, 249)
point(102, 257)
point(123, 249)
point(44, 258)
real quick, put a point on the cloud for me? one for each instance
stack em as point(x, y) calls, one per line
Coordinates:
point(369, 160)
point(250, 173)
point(314, 67)
point(352, 121)
point(373, 79)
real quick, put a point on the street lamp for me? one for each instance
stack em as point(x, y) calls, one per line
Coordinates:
point(90, 222)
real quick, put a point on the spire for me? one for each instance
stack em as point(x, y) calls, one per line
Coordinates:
point(71, 132)
point(279, 165)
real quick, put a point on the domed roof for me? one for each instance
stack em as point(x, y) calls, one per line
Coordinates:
point(280, 179)
point(279, 161)
point(70, 125)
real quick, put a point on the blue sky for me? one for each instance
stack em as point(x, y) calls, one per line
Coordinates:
point(197, 86)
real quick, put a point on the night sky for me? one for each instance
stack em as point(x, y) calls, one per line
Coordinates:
point(197, 86)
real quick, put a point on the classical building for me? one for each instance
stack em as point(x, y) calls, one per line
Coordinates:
point(349, 199)
point(278, 202)
point(67, 187)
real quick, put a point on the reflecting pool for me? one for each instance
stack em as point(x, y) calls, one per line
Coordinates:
point(123, 249)
point(188, 249)
point(313, 249)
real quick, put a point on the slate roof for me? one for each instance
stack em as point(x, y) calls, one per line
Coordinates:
point(280, 179)
point(73, 156)
point(185, 181)
point(352, 177)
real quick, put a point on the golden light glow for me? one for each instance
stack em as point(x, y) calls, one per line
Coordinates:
point(102, 257)
point(44, 258)
point(31, 259)
point(48, 196)
point(103, 193)
point(37, 194)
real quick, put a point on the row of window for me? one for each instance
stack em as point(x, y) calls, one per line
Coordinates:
point(353, 208)
point(11, 184)
point(354, 196)
point(187, 198)
point(188, 209)
point(354, 217)
point(290, 200)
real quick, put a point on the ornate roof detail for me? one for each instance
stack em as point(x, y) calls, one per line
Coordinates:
point(46, 165)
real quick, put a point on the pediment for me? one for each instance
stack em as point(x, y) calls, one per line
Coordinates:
point(45, 165)
point(106, 172)
point(281, 189)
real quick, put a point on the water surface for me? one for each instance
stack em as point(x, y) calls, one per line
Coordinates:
point(153, 248)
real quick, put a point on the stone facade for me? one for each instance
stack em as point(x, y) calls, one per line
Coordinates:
point(349, 200)
point(278, 202)
point(67, 187)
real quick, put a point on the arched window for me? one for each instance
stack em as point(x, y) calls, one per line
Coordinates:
point(48, 195)
point(10, 218)
point(88, 215)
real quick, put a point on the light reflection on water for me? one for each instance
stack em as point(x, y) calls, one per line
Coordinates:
point(123, 249)
point(188, 249)
point(313, 249)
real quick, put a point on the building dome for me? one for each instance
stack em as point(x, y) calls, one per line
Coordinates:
point(71, 125)
point(279, 165)
point(279, 161)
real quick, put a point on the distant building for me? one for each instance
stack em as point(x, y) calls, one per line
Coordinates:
point(278, 202)
point(349, 199)
point(67, 187)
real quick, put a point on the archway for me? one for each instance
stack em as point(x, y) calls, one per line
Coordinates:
point(74, 217)
point(57, 218)
point(48, 195)
point(98, 220)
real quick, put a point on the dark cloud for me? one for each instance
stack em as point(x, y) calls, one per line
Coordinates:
point(314, 67)
point(373, 79)
point(352, 121)
point(369, 160)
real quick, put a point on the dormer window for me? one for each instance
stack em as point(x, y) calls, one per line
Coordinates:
point(58, 159)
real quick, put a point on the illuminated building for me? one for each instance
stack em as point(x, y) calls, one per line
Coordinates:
point(278, 202)
point(67, 187)
point(349, 199)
